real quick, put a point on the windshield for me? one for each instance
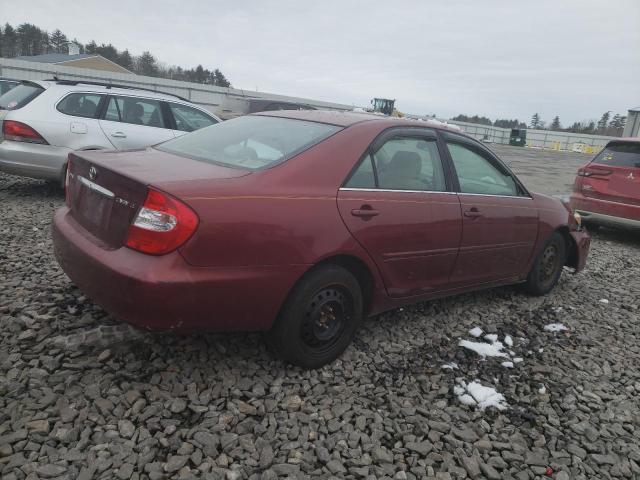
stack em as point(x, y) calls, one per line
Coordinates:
point(19, 96)
point(620, 155)
point(251, 142)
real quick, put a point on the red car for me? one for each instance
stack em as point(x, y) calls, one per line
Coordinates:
point(607, 190)
point(301, 223)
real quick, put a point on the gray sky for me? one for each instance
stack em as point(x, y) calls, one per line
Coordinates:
point(500, 58)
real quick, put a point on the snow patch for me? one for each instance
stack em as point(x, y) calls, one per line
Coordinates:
point(604, 301)
point(507, 364)
point(555, 327)
point(484, 349)
point(476, 394)
point(542, 390)
point(508, 341)
point(517, 360)
point(476, 332)
point(492, 337)
point(450, 366)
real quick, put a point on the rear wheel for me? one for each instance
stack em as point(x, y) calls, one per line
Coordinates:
point(547, 268)
point(319, 319)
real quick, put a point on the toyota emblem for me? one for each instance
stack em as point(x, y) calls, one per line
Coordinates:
point(92, 173)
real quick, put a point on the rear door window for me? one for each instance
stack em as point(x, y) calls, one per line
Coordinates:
point(410, 164)
point(136, 111)
point(620, 155)
point(189, 119)
point(20, 96)
point(80, 105)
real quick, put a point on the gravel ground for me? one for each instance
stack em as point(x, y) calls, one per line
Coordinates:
point(82, 396)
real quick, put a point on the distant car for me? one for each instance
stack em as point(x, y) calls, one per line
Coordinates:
point(7, 84)
point(300, 223)
point(261, 105)
point(43, 121)
point(607, 190)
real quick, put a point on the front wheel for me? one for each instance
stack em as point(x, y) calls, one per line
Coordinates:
point(319, 319)
point(547, 267)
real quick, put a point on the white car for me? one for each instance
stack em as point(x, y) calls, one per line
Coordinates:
point(42, 121)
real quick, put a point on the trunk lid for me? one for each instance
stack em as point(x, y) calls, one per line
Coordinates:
point(106, 189)
point(614, 174)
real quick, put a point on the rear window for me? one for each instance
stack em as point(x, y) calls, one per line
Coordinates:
point(21, 95)
point(6, 85)
point(620, 155)
point(250, 142)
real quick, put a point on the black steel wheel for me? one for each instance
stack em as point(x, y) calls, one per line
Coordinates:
point(547, 267)
point(319, 318)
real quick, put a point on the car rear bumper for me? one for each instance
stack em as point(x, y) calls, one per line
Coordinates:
point(165, 293)
point(605, 212)
point(33, 160)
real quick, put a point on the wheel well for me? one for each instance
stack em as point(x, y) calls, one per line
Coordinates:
point(359, 270)
point(572, 248)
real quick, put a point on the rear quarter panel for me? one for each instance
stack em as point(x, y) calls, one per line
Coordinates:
point(285, 215)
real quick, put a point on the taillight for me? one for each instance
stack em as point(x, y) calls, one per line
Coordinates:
point(162, 224)
point(21, 132)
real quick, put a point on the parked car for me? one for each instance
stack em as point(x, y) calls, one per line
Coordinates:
point(42, 122)
point(261, 105)
point(7, 84)
point(301, 223)
point(607, 190)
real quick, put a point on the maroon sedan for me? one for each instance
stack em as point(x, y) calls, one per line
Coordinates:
point(301, 223)
point(607, 190)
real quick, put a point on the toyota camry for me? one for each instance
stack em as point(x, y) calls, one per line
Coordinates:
point(302, 223)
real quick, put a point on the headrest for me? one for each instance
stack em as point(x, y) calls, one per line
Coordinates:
point(406, 164)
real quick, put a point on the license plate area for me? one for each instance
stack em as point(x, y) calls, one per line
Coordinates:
point(93, 206)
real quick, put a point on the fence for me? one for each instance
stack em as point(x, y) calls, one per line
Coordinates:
point(222, 101)
point(547, 139)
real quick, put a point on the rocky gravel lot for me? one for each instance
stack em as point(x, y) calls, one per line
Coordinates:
point(82, 396)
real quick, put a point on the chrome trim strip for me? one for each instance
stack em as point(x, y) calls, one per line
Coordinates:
point(501, 196)
point(390, 190)
point(95, 187)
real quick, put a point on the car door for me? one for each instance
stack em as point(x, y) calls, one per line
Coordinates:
point(134, 122)
point(499, 218)
point(77, 125)
point(398, 205)
point(187, 119)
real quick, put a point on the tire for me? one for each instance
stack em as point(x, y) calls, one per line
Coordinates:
point(319, 318)
point(547, 267)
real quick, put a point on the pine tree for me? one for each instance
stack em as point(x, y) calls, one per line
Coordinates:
point(146, 64)
point(91, 47)
point(9, 41)
point(125, 60)
point(535, 121)
point(220, 79)
point(58, 41)
point(555, 124)
point(603, 122)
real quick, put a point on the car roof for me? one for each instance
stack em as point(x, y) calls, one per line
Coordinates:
point(347, 118)
point(128, 91)
point(625, 140)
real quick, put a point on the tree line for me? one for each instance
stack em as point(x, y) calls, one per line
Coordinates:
point(607, 125)
point(28, 39)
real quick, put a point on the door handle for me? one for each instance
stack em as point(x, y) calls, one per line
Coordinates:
point(365, 211)
point(472, 213)
point(118, 135)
